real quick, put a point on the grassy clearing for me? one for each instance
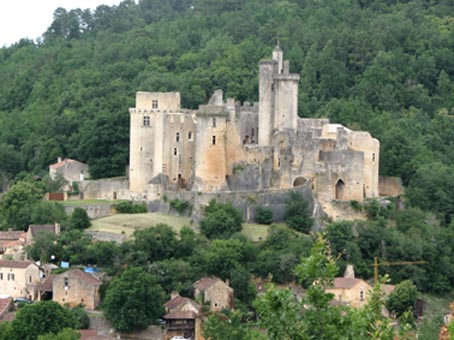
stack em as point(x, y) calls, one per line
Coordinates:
point(128, 223)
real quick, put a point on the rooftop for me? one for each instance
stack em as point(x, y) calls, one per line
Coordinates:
point(15, 264)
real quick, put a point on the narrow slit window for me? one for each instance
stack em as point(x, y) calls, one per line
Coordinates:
point(214, 122)
point(213, 140)
point(190, 135)
point(177, 137)
point(175, 151)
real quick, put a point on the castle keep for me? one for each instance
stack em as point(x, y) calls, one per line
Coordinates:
point(225, 146)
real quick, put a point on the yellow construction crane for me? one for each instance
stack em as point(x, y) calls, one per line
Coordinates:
point(387, 263)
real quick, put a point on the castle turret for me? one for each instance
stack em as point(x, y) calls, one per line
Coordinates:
point(278, 97)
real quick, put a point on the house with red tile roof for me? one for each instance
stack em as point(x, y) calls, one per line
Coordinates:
point(183, 317)
point(19, 279)
point(71, 170)
point(75, 287)
point(215, 291)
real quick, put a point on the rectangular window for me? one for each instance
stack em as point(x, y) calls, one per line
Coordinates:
point(10, 277)
point(146, 120)
point(154, 104)
point(190, 135)
point(214, 122)
point(373, 157)
point(213, 140)
point(177, 137)
point(1, 276)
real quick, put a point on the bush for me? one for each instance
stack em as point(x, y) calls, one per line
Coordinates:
point(130, 208)
point(297, 214)
point(79, 219)
point(221, 220)
point(180, 205)
point(263, 215)
point(81, 316)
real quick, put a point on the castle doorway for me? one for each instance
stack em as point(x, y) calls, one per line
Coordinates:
point(340, 189)
point(299, 181)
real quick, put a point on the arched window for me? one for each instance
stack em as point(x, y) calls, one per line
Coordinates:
point(340, 189)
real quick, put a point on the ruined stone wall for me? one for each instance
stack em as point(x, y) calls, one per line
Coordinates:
point(390, 186)
point(108, 189)
point(248, 123)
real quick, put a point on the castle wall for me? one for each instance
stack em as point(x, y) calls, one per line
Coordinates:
point(210, 152)
point(362, 141)
point(109, 189)
point(342, 176)
point(179, 149)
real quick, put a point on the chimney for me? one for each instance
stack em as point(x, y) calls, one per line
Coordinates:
point(57, 228)
point(174, 294)
point(349, 272)
point(58, 159)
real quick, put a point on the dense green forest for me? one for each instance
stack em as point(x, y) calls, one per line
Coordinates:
point(383, 66)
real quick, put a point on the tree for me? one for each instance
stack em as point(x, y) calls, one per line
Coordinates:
point(47, 212)
point(402, 298)
point(297, 214)
point(133, 300)
point(79, 219)
point(16, 204)
point(157, 242)
point(263, 215)
point(41, 318)
point(43, 247)
point(228, 326)
point(314, 317)
point(221, 220)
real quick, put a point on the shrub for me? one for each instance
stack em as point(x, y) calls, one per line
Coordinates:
point(297, 214)
point(130, 208)
point(263, 215)
point(180, 205)
point(79, 219)
point(221, 220)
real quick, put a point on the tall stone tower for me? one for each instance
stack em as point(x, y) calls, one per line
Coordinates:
point(278, 97)
point(147, 136)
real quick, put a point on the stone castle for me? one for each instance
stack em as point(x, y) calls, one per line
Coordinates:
point(225, 146)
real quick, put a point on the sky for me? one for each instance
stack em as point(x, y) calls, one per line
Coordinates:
point(31, 18)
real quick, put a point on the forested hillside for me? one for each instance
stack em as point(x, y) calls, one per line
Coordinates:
point(383, 66)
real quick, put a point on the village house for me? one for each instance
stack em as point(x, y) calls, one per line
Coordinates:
point(350, 291)
point(183, 318)
point(70, 170)
point(215, 291)
point(19, 279)
point(12, 244)
point(75, 287)
point(35, 229)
